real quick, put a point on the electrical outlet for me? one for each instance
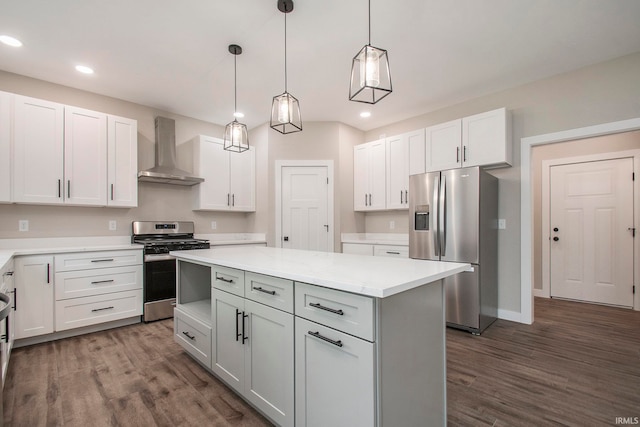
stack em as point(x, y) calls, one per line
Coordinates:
point(502, 224)
point(23, 225)
point(214, 225)
point(392, 225)
point(113, 225)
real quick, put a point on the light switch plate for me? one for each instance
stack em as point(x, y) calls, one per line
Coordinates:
point(214, 225)
point(23, 225)
point(113, 225)
point(392, 225)
point(502, 224)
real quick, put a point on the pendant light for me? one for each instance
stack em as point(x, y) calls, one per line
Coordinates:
point(235, 133)
point(370, 76)
point(285, 109)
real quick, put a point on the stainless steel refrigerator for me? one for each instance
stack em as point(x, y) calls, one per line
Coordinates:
point(453, 217)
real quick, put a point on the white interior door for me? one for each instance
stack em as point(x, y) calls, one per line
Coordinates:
point(305, 215)
point(591, 231)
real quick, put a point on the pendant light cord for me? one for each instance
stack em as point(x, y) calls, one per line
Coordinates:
point(235, 84)
point(369, 22)
point(285, 52)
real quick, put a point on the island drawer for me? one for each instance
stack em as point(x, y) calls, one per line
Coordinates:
point(391, 251)
point(91, 260)
point(228, 279)
point(350, 313)
point(83, 283)
point(193, 335)
point(78, 312)
point(272, 291)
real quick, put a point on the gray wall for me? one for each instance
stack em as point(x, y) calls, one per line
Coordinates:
point(601, 93)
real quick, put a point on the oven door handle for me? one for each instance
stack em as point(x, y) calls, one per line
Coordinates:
point(158, 257)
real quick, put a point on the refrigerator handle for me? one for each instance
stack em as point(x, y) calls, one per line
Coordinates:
point(436, 217)
point(442, 216)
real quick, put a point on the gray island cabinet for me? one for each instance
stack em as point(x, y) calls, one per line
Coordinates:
point(316, 339)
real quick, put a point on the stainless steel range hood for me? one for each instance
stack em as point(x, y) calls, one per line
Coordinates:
point(165, 170)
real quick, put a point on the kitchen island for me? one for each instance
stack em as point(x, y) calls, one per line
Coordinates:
point(315, 338)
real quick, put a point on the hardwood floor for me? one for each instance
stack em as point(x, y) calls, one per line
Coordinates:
point(577, 365)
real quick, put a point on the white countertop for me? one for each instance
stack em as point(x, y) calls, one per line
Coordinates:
point(396, 239)
point(366, 275)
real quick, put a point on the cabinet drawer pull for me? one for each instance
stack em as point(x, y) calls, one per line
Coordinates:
point(101, 281)
point(393, 253)
point(329, 340)
point(101, 309)
point(102, 260)
point(188, 335)
point(266, 291)
point(330, 310)
point(224, 280)
point(8, 273)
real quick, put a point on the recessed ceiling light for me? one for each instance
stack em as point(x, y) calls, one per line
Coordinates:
point(10, 41)
point(238, 114)
point(84, 69)
point(365, 114)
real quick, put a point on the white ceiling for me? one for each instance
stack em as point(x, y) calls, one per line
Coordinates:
point(172, 55)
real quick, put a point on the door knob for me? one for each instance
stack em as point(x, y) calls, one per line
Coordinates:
point(555, 239)
point(555, 229)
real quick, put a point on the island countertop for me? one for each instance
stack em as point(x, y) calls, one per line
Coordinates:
point(365, 275)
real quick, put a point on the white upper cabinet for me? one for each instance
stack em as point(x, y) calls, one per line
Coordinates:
point(479, 140)
point(85, 157)
point(5, 146)
point(122, 162)
point(69, 155)
point(38, 151)
point(417, 147)
point(229, 178)
point(397, 172)
point(486, 139)
point(369, 176)
point(444, 146)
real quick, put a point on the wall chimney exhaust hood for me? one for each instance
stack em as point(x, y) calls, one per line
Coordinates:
point(165, 170)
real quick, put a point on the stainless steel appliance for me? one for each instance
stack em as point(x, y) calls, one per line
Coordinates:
point(159, 238)
point(453, 217)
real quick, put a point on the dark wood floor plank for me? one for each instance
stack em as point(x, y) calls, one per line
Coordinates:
point(577, 365)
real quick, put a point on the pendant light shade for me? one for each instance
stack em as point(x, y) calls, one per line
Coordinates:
point(370, 75)
point(285, 108)
point(236, 137)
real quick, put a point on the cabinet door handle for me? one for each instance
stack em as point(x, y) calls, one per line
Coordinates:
point(457, 154)
point(224, 280)
point(393, 253)
point(228, 199)
point(188, 335)
point(233, 200)
point(330, 310)
point(101, 281)
point(266, 291)
point(238, 335)
point(6, 335)
point(365, 199)
point(48, 273)
point(59, 189)
point(329, 340)
point(464, 155)
point(15, 300)
point(369, 199)
point(244, 337)
point(406, 196)
point(111, 191)
point(68, 189)
point(102, 260)
point(102, 309)
point(401, 197)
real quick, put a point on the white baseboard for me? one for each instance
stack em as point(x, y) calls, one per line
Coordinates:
point(513, 316)
point(540, 293)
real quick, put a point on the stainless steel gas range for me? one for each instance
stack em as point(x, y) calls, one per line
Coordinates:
point(159, 238)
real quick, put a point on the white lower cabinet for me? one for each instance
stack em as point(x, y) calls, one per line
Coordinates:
point(7, 327)
point(34, 295)
point(193, 335)
point(335, 377)
point(252, 351)
point(397, 251)
point(81, 289)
